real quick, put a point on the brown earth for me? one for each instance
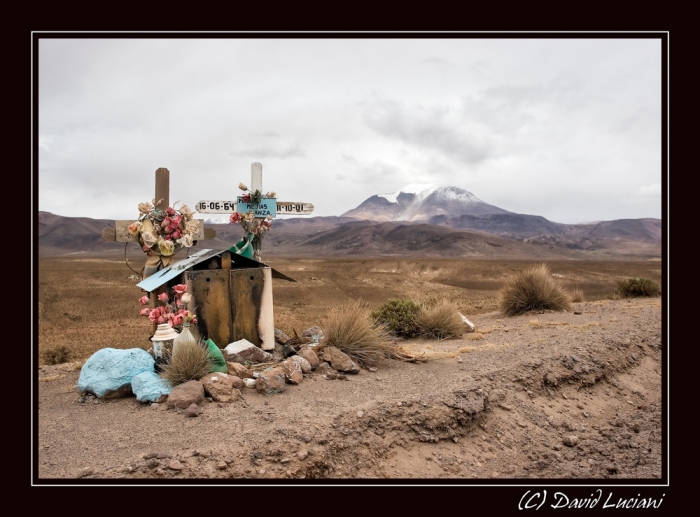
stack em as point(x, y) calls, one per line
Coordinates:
point(501, 402)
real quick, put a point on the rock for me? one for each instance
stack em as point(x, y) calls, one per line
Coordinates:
point(302, 454)
point(192, 410)
point(239, 370)
point(183, 395)
point(303, 363)
point(310, 357)
point(271, 381)
point(292, 371)
point(313, 334)
point(360, 414)
point(221, 465)
point(175, 465)
point(164, 456)
point(243, 350)
point(108, 372)
point(570, 440)
point(220, 387)
point(149, 387)
point(281, 337)
point(84, 472)
point(324, 368)
point(237, 382)
point(339, 360)
point(249, 383)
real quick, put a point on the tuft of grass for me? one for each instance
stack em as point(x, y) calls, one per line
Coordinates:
point(399, 316)
point(633, 287)
point(475, 336)
point(533, 289)
point(351, 329)
point(56, 355)
point(577, 295)
point(190, 361)
point(440, 322)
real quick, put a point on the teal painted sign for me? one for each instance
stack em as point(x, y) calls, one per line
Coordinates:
point(267, 206)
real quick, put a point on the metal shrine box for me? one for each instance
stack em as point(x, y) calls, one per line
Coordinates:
point(230, 294)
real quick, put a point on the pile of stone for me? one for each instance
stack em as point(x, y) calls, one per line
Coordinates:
point(111, 373)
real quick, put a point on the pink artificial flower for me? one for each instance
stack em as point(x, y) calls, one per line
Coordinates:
point(160, 320)
point(266, 224)
point(144, 312)
point(176, 234)
point(170, 211)
point(177, 220)
point(180, 288)
point(163, 297)
point(246, 198)
point(193, 321)
point(154, 314)
point(143, 300)
point(178, 320)
point(166, 222)
point(235, 217)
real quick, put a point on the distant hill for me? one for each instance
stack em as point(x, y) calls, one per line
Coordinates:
point(495, 236)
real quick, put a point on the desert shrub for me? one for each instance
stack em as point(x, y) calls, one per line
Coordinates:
point(631, 287)
point(441, 321)
point(533, 289)
point(189, 361)
point(56, 355)
point(577, 295)
point(350, 329)
point(399, 316)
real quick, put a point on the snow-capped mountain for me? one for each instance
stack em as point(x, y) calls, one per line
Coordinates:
point(419, 202)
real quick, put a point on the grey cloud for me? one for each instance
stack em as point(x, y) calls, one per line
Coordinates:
point(373, 172)
point(433, 128)
point(294, 150)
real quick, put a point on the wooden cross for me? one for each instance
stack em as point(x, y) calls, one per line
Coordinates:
point(229, 207)
point(120, 231)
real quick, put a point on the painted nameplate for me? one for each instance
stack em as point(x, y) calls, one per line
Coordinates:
point(267, 206)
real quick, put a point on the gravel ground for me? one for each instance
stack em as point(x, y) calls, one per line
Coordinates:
point(574, 395)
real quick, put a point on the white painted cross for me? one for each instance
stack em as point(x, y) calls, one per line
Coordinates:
point(268, 207)
point(230, 206)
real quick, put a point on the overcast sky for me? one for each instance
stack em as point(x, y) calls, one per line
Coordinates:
point(569, 129)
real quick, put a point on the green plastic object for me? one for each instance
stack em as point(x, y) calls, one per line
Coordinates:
point(243, 247)
point(217, 358)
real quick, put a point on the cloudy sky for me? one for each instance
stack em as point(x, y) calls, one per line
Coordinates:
point(569, 129)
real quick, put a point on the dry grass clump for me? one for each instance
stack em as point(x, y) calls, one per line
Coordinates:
point(632, 287)
point(533, 289)
point(190, 361)
point(577, 295)
point(351, 329)
point(56, 355)
point(440, 322)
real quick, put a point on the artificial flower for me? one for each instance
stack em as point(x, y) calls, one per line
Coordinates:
point(177, 320)
point(134, 228)
point(242, 187)
point(186, 298)
point(186, 212)
point(246, 198)
point(186, 240)
point(143, 300)
point(145, 207)
point(166, 247)
point(163, 297)
point(271, 194)
point(192, 226)
point(180, 288)
point(235, 217)
point(144, 312)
